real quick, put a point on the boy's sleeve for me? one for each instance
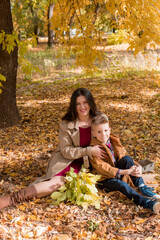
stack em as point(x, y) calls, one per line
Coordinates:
point(103, 168)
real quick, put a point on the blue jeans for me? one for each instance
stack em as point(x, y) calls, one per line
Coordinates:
point(114, 184)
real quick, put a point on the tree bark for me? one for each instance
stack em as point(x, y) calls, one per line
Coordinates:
point(36, 30)
point(8, 67)
point(50, 31)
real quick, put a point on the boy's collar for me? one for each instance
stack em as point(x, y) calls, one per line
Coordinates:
point(96, 141)
point(108, 142)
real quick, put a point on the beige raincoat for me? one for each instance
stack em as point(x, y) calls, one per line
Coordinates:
point(67, 151)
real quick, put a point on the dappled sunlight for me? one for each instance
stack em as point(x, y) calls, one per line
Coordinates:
point(56, 75)
point(149, 93)
point(38, 103)
point(129, 107)
point(44, 79)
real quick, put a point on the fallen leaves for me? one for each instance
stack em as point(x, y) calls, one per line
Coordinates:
point(62, 237)
point(141, 221)
point(25, 150)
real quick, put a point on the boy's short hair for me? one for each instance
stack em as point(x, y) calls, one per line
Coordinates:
point(100, 119)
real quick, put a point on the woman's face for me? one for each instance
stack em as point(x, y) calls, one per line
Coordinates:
point(82, 106)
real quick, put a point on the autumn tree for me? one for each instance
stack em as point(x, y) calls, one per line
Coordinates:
point(50, 29)
point(29, 16)
point(8, 67)
point(33, 17)
point(9, 59)
point(140, 19)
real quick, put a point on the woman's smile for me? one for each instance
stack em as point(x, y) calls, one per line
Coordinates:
point(82, 106)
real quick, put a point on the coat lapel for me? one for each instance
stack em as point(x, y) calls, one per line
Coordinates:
point(110, 160)
point(119, 150)
point(73, 126)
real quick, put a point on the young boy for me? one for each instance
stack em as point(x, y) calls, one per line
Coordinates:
point(119, 172)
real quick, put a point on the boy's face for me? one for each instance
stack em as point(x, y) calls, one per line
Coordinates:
point(101, 132)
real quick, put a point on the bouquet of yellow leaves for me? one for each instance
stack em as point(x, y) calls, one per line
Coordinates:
point(80, 189)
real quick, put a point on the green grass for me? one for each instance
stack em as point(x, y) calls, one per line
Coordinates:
point(52, 62)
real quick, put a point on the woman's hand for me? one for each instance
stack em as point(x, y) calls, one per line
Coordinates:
point(98, 152)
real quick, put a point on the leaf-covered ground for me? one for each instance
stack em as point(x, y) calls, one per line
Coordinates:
point(131, 101)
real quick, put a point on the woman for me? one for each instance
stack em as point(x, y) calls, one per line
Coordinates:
point(74, 140)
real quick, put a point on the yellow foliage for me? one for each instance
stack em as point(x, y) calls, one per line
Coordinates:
point(2, 78)
point(140, 19)
point(8, 41)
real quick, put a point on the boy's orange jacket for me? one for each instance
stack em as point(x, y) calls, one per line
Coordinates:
point(105, 166)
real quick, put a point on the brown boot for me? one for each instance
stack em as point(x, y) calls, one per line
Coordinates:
point(4, 201)
point(18, 197)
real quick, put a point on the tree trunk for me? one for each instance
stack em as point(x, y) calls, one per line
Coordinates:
point(50, 31)
point(8, 67)
point(36, 31)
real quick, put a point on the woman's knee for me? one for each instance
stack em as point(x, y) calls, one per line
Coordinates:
point(56, 182)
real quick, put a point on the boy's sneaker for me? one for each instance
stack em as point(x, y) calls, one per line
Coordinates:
point(148, 193)
point(156, 208)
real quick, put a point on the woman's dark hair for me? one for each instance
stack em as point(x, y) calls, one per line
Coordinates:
point(71, 113)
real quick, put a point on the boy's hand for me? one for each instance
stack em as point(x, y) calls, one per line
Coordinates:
point(135, 171)
point(139, 171)
point(132, 170)
point(98, 152)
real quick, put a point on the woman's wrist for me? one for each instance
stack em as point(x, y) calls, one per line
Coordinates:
point(89, 152)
